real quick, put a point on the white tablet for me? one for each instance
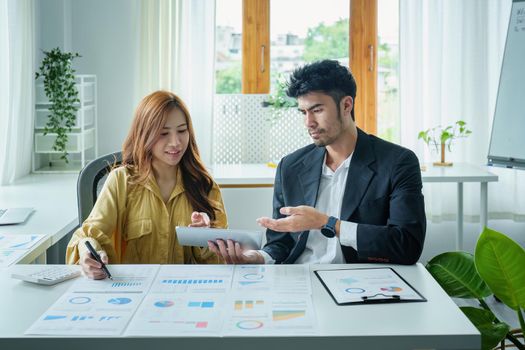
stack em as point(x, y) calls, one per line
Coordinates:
point(199, 236)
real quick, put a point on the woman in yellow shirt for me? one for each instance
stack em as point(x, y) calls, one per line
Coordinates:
point(161, 183)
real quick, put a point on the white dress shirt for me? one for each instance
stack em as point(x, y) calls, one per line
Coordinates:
point(320, 249)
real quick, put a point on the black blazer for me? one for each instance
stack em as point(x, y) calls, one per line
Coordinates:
point(382, 195)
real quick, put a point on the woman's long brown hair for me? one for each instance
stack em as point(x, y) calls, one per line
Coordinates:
point(137, 155)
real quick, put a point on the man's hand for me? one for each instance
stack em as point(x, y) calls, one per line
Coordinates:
point(301, 218)
point(232, 253)
point(91, 267)
point(199, 220)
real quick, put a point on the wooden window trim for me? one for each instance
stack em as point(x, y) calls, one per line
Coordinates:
point(363, 61)
point(255, 46)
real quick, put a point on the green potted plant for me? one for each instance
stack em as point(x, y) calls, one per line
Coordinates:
point(59, 86)
point(496, 268)
point(440, 139)
point(279, 101)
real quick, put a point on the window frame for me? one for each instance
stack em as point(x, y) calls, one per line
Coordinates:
point(362, 53)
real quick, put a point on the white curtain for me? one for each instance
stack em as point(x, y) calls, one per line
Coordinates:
point(16, 88)
point(450, 57)
point(178, 53)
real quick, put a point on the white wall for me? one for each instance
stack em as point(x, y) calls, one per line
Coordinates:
point(105, 34)
point(52, 17)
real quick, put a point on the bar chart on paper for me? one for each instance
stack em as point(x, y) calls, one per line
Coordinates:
point(87, 314)
point(125, 280)
point(278, 314)
point(240, 305)
point(192, 281)
point(196, 279)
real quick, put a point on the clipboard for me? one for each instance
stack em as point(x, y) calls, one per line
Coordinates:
point(367, 286)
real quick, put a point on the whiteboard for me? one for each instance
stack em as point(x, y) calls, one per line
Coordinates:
point(507, 141)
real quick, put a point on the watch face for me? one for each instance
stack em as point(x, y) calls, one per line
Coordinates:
point(328, 232)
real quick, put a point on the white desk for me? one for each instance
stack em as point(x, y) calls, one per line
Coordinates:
point(260, 175)
point(460, 173)
point(243, 175)
point(54, 198)
point(435, 324)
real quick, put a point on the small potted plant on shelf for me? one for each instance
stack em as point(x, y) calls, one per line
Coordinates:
point(440, 139)
point(60, 89)
point(496, 268)
point(279, 102)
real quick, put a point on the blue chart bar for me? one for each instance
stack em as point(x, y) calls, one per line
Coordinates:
point(191, 281)
point(202, 304)
point(125, 284)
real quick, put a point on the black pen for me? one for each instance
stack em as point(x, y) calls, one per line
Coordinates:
point(97, 258)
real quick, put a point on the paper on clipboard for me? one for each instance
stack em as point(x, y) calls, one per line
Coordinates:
point(199, 236)
point(367, 285)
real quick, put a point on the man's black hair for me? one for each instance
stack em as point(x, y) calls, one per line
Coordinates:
point(327, 76)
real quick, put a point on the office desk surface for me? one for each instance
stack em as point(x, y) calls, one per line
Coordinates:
point(54, 198)
point(252, 174)
point(459, 172)
point(435, 324)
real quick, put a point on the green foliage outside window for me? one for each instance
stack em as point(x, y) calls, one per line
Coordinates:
point(324, 41)
point(228, 81)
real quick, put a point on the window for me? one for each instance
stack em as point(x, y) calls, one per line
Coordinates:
point(228, 47)
point(318, 32)
point(297, 32)
point(388, 121)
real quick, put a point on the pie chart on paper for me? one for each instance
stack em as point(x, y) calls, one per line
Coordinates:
point(119, 301)
point(163, 303)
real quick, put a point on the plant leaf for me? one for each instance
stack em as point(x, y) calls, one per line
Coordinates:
point(491, 333)
point(445, 135)
point(456, 274)
point(501, 263)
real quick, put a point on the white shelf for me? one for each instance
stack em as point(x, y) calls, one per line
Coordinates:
point(76, 141)
point(86, 87)
point(85, 113)
point(82, 140)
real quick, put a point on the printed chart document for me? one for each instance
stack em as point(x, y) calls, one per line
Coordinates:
point(185, 300)
point(98, 307)
point(14, 246)
point(287, 279)
point(100, 314)
point(171, 314)
point(279, 314)
point(367, 285)
point(193, 279)
point(126, 279)
point(8, 257)
point(15, 241)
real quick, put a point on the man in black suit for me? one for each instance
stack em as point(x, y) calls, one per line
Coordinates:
point(348, 197)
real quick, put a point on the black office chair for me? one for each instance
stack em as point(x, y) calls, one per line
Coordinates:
point(90, 182)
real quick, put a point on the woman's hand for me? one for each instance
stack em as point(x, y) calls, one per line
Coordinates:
point(199, 220)
point(91, 267)
point(232, 253)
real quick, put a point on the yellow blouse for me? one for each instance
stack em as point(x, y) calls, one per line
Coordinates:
point(134, 225)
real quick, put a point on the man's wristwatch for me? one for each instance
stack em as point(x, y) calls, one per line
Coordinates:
point(328, 230)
